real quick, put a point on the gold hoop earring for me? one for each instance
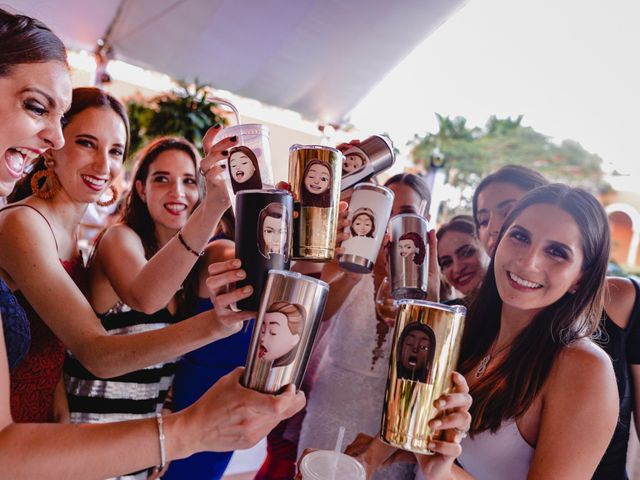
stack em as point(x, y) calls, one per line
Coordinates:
point(112, 200)
point(54, 183)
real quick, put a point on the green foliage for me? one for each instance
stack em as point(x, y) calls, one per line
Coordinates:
point(185, 113)
point(472, 153)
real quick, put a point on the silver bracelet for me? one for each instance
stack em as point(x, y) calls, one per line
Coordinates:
point(163, 453)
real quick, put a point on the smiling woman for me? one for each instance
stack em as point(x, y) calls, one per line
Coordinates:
point(527, 343)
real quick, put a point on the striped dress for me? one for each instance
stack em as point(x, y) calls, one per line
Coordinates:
point(132, 396)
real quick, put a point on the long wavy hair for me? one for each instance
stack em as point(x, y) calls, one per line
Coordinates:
point(509, 389)
point(136, 213)
point(82, 99)
point(252, 183)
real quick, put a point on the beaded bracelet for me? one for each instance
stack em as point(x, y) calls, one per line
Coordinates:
point(163, 453)
point(189, 249)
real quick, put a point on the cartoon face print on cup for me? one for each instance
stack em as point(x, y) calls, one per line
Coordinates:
point(353, 161)
point(317, 181)
point(273, 230)
point(280, 333)
point(363, 223)
point(411, 246)
point(416, 349)
point(243, 169)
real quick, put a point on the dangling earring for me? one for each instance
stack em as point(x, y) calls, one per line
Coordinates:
point(48, 174)
point(112, 200)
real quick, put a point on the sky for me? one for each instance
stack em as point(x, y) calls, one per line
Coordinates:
point(571, 67)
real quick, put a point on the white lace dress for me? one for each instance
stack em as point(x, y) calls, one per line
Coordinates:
point(349, 386)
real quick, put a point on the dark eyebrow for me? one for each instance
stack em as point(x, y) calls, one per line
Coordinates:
point(562, 246)
point(506, 202)
point(443, 258)
point(466, 246)
point(162, 172)
point(51, 102)
point(95, 139)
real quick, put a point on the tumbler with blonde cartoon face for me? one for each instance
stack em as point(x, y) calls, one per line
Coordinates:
point(424, 354)
point(314, 175)
point(290, 312)
point(369, 211)
point(366, 159)
point(263, 237)
point(248, 162)
point(408, 256)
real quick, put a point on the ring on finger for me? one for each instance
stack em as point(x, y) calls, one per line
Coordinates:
point(204, 172)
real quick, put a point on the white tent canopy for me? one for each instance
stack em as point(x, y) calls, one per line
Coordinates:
point(316, 57)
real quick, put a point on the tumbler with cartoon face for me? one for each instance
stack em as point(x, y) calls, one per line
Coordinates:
point(263, 237)
point(369, 211)
point(248, 164)
point(315, 173)
point(290, 312)
point(408, 256)
point(424, 354)
point(367, 159)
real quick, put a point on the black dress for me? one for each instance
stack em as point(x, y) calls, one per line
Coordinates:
point(623, 346)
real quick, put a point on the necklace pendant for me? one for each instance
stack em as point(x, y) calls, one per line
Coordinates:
point(483, 366)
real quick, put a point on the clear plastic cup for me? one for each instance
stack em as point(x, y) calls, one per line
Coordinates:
point(331, 465)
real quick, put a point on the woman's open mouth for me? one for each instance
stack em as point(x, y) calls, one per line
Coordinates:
point(262, 351)
point(17, 158)
point(175, 208)
point(96, 184)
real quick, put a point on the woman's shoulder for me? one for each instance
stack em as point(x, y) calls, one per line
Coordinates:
point(619, 300)
point(18, 225)
point(583, 365)
point(118, 236)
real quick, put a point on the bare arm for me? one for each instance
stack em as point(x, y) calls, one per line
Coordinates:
point(28, 256)
point(227, 417)
point(149, 285)
point(635, 380)
point(579, 414)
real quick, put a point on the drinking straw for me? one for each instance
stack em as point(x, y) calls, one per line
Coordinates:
point(338, 450)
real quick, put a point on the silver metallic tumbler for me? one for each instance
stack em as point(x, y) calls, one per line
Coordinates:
point(288, 319)
point(409, 256)
point(369, 211)
point(366, 159)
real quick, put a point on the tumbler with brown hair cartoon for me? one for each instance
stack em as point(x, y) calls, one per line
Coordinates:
point(263, 237)
point(290, 312)
point(408, 256)
point(314, 175)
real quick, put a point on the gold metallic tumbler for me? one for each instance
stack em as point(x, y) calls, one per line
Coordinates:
point(426, 346)
point(315, 173)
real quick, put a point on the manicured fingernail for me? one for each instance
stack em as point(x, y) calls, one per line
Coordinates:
point(440, 403)
point(216, 126)
point(225, 152)
point(236, 263)
point(436, 423)
point(247, 289)
point(234, 138)
point(240, 274)
point(432, 446)
point(223, 166)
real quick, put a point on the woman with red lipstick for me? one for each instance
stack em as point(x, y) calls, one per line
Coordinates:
point(167, 200)
point(462, 259)
point(42, 228)
point(35, 90)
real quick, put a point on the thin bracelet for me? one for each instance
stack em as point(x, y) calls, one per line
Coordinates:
point(189, 249)
point(163, 453)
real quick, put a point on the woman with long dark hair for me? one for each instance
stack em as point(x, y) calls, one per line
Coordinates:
point(35, 91)
point(544, 395)
point(620, 338)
